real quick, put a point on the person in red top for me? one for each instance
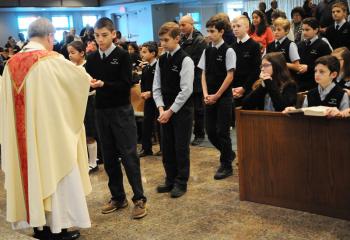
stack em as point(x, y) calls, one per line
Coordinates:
point(260, 31)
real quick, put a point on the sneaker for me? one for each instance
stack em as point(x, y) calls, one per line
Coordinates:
point(112, 206)
point(163, 188)
point(197, 141)
point(139, 210)
point(177, 191)
point(223, 172)
point(144, 153)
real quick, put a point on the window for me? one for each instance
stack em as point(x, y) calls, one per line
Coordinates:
point(23, 24)
point(196, 16)
point(61, 24)
point(234, 9)
point(89, 20)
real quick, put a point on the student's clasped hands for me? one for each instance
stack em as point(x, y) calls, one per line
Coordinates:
point(164, 116)
point(210, 99)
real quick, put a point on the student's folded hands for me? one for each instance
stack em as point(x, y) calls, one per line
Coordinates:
point(210, 99)
point(164, 116)
point(238, 92)
point(146, 95)
point(302, 68)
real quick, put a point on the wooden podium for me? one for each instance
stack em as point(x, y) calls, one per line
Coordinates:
point(295, 162)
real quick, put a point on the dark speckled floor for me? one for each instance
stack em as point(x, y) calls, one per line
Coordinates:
point(210, 210)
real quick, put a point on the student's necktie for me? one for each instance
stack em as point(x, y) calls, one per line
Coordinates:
point(103, 56)
point(308, 43)
point(240, 43)
point(169, 57)
point(278, 44)
point(337, 27)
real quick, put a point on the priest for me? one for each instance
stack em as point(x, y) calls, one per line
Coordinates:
point(44, 154)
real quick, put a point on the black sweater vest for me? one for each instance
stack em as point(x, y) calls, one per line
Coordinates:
point(339, 38)
point(170, 68)
point(284, 48)
point(115, 72)
point(215, 69)
point(147, 77)
point(248, 64)
point(333, 98)
point(308, 56)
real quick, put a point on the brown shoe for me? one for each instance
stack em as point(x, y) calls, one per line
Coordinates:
point(112, 206)
point(139, 210)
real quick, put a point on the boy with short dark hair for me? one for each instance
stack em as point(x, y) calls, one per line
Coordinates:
point(218, 62)
point(327, 93)
point(149, 53)
point(110, 67)
point(338, 34)
point(172, 89)
point(309, 50)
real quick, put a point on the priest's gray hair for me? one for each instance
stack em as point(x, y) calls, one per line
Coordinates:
point(41, 27)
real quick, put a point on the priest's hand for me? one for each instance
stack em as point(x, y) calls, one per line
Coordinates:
point(164, 116)
point(96, 83)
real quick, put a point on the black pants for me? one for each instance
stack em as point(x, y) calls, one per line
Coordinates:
point(176, 137)
point(149, 119)
point(218, 119)
point(198, 129)
point(118, 136)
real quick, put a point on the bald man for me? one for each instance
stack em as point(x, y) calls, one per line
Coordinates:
point(193, 43)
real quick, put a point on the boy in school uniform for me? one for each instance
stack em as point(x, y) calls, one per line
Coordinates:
point(149, 53)
point(248, 59)
point(110, 67)
point(309, 50)
point(327, 93)
point(338, 34)
point(281, 28)
point(172, 89)
point(218, 62)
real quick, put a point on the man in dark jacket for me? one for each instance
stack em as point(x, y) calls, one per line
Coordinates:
point(193, 44)
point(274, 6)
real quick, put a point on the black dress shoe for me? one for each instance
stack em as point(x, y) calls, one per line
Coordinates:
point(65, 235)
point(197, 141)
point(177, 191)
point(44, 234)
point(223, 172)
point(164, 188)
point(144, 153)
point(93, 169)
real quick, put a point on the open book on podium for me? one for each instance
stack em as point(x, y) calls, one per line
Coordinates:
point(319, 111)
